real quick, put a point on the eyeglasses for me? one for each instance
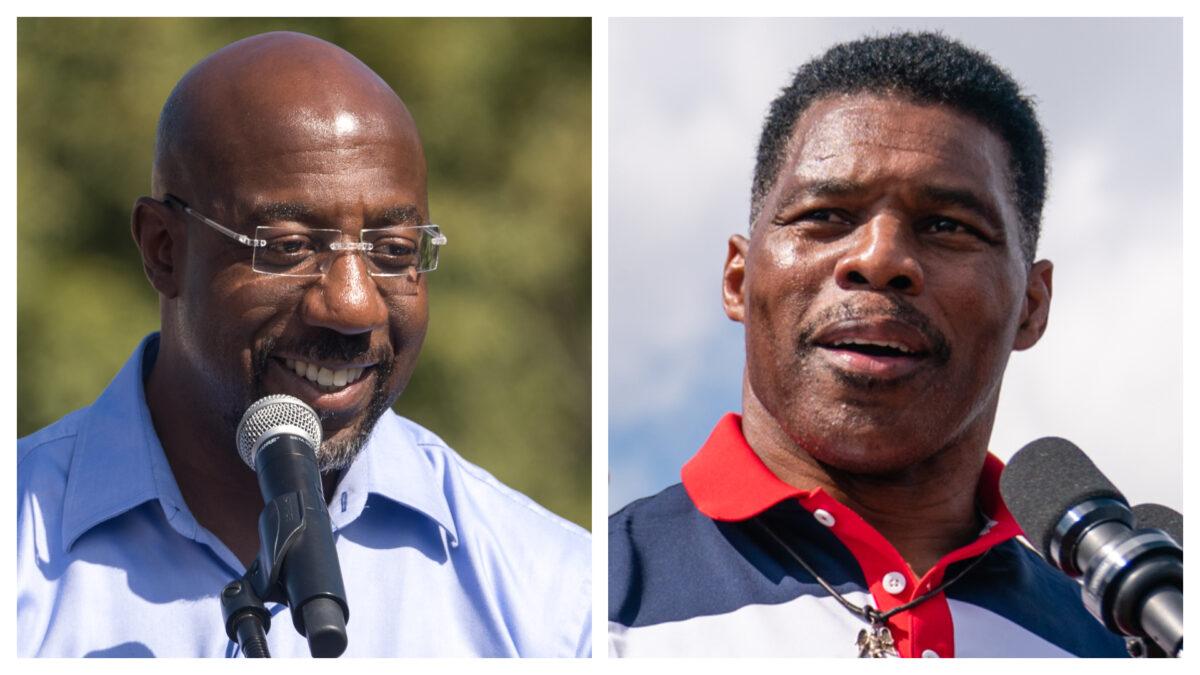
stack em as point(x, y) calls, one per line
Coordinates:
point(398, 254)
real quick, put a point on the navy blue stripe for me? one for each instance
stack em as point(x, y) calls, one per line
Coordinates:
point(1038, 598)
point(669, 562)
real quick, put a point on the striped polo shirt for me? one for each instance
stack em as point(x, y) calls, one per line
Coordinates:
point(693, 573)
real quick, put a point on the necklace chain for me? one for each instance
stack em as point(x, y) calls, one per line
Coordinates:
point(868, 613)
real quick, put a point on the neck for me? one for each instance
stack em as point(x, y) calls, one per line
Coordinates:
point(220, 490)
point(925, 510)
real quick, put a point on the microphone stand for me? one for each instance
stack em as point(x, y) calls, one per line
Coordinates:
point(246, 618)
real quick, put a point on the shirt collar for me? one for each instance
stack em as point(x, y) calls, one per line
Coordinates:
point(727, 481)
point(395, 465)
point(118, 462)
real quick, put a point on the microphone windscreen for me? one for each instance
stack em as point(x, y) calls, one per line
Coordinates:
point(1044, 480)
point(1160, 518)
point(272, 415)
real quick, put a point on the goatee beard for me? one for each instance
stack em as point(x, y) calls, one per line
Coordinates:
point(333, 455)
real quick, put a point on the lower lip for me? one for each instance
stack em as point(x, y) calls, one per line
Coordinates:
point(351, 398)
point(881, 367)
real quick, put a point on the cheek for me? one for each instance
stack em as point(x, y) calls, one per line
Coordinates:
point(408, 320)
point(783, 280)
point(781, 290)
point(982, 310)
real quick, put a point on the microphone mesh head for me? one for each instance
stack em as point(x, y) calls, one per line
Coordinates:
point(1161, 518)
point(1044, 480)
point(274, 412)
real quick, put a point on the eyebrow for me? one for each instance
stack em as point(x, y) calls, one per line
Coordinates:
point(963, 199)
point(823, 187)
point(399, 215)
point(273, 212)
point(947, 196)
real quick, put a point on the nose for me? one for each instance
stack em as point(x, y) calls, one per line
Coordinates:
point(882, 258)
point(346, 299)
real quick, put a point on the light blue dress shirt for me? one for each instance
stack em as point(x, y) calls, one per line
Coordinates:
point(439, 558)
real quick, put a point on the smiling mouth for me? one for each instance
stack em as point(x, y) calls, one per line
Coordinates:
point(325, 378)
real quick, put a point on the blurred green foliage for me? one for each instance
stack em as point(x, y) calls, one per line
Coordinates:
point(504, 109)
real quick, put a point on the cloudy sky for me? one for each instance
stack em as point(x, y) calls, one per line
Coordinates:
point(687, 98)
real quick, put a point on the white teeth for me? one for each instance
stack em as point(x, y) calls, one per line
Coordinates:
point(324, 376)
point(877, 343)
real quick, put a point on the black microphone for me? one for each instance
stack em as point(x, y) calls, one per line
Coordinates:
point(1160, 518)
point(298, 563)
point(1132, 578)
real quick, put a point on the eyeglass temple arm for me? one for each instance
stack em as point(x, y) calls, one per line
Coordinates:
point(248, 241)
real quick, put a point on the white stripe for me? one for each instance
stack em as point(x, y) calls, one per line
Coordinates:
point(814, 627)
point(806, 626)
point(979, 632)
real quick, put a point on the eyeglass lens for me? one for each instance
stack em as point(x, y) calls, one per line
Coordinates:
point(397, 254)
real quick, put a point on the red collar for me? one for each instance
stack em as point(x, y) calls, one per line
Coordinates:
point(727, 481)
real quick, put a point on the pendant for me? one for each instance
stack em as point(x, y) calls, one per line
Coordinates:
point(875, 642)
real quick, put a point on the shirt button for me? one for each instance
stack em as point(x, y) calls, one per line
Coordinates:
point(824, 517)
point(894, 583)
point(930, 654)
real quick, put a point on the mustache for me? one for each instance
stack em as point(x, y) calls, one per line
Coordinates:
point(896, 310)
point(326, 345)
point(329, 345)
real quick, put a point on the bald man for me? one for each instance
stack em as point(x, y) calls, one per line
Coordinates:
point(273, 154)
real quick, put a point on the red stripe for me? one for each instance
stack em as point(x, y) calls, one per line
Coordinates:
point(727, 481)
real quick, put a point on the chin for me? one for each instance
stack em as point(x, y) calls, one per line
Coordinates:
point(865, 461)
point(868, 450)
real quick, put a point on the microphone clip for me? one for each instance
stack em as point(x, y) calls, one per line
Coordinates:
point(242, 600)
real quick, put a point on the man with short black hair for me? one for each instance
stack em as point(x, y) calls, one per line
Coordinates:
point(289, 240)
point(853, 508)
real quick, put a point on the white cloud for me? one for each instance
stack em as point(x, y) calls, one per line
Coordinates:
point(686, 104)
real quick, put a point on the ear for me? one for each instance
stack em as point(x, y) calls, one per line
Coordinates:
point(157, 237)
point(733, 285)
point(1038, 287)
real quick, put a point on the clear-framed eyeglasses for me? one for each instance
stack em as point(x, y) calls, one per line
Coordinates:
point(396, 255)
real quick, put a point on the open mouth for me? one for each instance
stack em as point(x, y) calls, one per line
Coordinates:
point(876, 348)
point(337, 391)
point(324, 378)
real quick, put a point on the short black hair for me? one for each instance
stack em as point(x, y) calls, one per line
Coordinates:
point(924, 68)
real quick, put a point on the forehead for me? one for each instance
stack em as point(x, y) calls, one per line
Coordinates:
point(308, 140)
point(331, 155)
point(885, 141)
